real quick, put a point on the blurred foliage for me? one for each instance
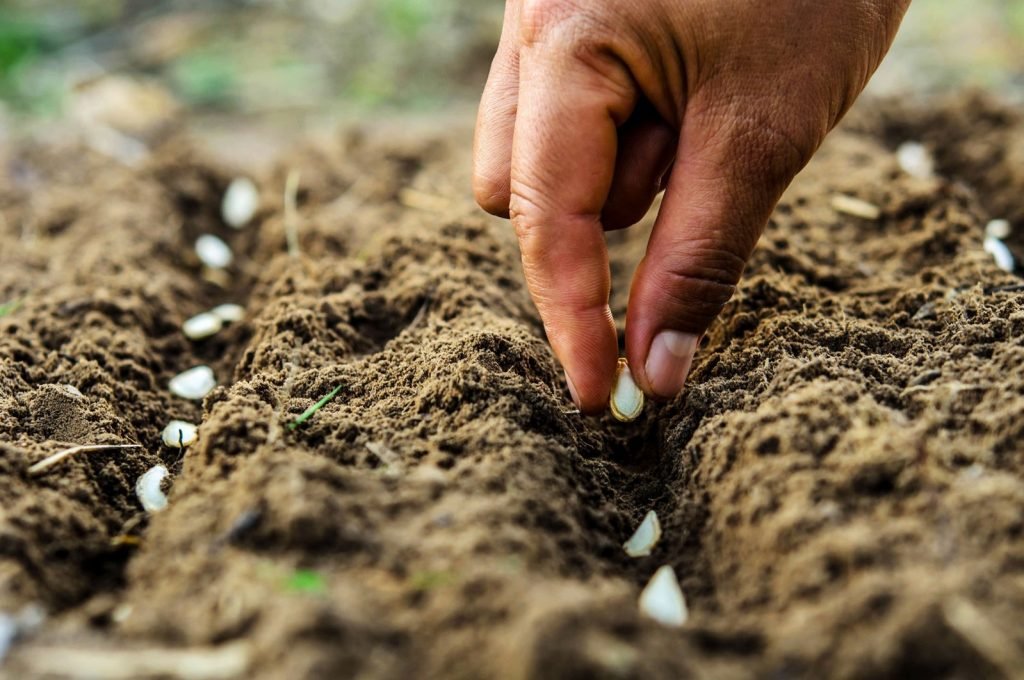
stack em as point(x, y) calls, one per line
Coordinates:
point(273, 57)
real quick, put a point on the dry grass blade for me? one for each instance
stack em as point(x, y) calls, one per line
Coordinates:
point(308, 413)
point(201, 663)
point(291, 212)
point(51, 460)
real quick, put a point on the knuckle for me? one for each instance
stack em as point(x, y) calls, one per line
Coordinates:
point(701, 282)
point(777, 148)
point(538, 18)
point(491, 194)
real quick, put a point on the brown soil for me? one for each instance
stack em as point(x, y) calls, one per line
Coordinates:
point(841, 486)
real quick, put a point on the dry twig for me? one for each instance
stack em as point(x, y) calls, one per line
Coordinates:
point(51, 460)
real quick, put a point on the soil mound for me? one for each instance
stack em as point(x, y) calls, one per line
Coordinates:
point(841, 486)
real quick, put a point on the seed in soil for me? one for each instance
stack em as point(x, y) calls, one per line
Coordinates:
point(241, 200)
point(627, 400)
point(855, 207)
point(229, 312)
point(179, 434)
point(662, 599)
point(999, 229)
point(1000, 253)
point(202, 326)
point(646, 536)
point(148, 489)
point(214, 252)
point(194, 383)
point(915, 160)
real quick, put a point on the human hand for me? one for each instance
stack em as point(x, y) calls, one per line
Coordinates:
point(594, 106)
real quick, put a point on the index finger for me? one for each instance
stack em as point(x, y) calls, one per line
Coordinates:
point(563, 162)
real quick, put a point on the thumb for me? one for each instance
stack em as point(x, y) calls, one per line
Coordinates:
point(731, 168)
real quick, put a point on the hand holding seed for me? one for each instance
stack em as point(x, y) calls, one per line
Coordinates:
point(592, 108)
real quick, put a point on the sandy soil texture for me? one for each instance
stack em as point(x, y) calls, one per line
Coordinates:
point(841, 486)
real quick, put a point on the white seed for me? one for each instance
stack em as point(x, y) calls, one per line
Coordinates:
point(241, 200)
point(73, 391)
point(1000, 253)
point(627, 400)
point(662, 599)
point(915, 160)
point(646, 536)
point(229, 313)
point(202, 326)
point(8, 631)
point(848, 205)
point(179, 434)
point(194, 383)
point(148, 489)
point(999, 229)
point(214, 252)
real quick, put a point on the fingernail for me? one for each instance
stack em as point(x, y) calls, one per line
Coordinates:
point(572, 391)
point(668, 362)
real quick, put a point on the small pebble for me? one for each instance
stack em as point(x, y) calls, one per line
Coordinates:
point(646, 536)
point(202, 326)
point(662, 599)
point(214, 252)
point(999, 229)
point(148, 489)
point(915, 160)
point(848, 205)
point(229, 313)
point(1000, 253)
point(179, 434)
point(241, 201)
point(626, 400)
point(194, 383)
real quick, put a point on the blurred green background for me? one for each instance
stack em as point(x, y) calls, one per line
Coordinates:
point(286, 60)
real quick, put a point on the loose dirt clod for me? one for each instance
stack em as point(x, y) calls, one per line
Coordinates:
point(662, 599)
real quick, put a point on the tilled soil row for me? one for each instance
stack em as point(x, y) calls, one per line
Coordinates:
point(840, 486)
